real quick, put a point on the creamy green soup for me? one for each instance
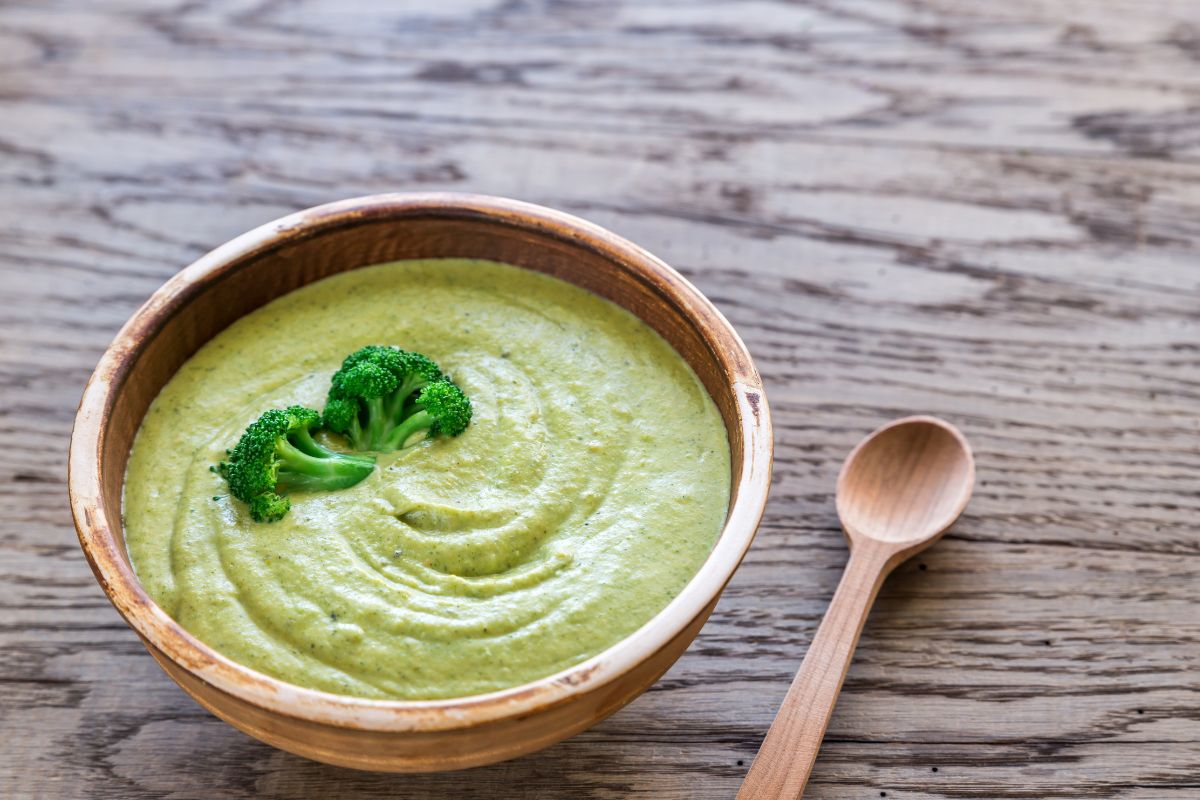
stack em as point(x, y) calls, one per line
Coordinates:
point(588, 489)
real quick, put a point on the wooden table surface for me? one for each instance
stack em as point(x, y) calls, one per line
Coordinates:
point(986, 211)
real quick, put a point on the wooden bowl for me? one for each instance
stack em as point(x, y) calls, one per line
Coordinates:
point(276, 258)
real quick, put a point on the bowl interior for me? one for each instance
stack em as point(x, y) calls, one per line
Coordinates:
point(191, 312)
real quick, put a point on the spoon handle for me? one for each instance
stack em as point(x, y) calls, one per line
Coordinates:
point(785, 759)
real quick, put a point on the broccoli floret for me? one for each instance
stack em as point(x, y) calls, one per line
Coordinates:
point(277, 453)
point(440, 409)
point(375, 393)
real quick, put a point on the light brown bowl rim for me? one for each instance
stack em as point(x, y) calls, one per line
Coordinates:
point(156, 628)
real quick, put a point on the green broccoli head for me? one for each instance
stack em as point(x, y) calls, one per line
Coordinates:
point(268, 507)
point(374, 392)
point(364, 379)
point(340, 414)
point(448, 408)
point(277, 453)
point(441, 409)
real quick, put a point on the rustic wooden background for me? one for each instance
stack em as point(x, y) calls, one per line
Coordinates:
point(988, 211)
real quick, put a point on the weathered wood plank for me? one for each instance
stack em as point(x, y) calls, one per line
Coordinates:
point(985, 211)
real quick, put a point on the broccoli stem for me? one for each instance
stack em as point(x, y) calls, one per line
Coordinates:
point(378, 423)
point(304, 464)
point(355, 433)
point(382, 415)
point(302, 440)
point(420, 421)
point(396, 401)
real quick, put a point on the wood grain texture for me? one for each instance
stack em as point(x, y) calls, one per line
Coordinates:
point(989, 212)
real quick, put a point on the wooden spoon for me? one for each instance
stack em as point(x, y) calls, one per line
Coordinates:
point(899, 490)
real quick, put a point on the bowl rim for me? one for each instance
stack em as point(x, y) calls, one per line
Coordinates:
point(160, 632)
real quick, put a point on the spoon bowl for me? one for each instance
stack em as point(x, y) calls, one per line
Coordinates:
point(906, 483)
